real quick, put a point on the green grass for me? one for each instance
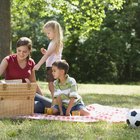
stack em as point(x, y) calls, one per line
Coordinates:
point(119, 96)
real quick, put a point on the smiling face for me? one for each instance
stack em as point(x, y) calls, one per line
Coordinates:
point(22, 52)
point(49, 33)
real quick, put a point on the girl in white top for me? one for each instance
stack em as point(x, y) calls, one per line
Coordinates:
point(53, 31)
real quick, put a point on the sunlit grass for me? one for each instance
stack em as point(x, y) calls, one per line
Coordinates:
point(100, 89)
point(111, 95)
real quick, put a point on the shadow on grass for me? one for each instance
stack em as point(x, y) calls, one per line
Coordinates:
point(129, 101)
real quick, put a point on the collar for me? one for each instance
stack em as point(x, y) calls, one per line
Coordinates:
point(67, 80)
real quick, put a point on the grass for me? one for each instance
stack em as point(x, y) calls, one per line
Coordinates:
point(113, 95)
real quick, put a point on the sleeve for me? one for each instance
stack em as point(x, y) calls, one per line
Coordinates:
point(51, 48)
point(7, 58)
point(73, 89)
point(57, 91)
point(31, 63)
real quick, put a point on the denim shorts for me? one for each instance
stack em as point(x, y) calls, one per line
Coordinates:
point(79, 106)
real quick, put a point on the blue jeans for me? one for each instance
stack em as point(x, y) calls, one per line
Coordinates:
point(74, 108)
point(40, 103)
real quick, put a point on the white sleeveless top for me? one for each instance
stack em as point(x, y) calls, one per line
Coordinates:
point(53, 57)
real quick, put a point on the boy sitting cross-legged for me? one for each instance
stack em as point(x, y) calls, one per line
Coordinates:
point(67, 98)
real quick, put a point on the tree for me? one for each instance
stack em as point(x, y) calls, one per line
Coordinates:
point(111, 54)
point(4, 28)
point(92, 40)
point(78, 16)
point(82, 16)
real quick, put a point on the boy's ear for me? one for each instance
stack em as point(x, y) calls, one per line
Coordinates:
point(62, 71)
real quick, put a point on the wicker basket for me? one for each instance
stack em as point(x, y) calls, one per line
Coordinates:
point(16, 99)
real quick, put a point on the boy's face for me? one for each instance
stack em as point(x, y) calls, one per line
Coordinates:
point(57, 73)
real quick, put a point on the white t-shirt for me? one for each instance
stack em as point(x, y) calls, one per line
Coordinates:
point(53, 57)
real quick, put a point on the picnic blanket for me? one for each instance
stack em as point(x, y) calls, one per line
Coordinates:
point(98, 113)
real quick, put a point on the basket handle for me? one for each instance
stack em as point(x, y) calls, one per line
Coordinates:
point(28, 86)
point(4, 85)
point(28, 83)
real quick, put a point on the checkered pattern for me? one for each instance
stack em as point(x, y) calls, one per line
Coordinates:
point(99, 113)
point(108, 113)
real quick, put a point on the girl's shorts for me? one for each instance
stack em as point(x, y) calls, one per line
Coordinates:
point(74, 108)
point(49, 75)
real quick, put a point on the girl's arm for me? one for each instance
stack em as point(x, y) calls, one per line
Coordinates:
point(45, 57)
point(3, 66)
point(32, 78)
point(70, 106)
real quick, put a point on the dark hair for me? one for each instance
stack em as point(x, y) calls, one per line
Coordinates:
point(24, 41)
point(62, 64)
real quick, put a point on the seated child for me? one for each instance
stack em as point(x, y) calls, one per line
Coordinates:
point(65, 91)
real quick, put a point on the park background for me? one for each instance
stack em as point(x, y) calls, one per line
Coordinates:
point(102, 46)
point(101, 37)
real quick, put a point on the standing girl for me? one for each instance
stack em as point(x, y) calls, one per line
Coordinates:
point(53, 31)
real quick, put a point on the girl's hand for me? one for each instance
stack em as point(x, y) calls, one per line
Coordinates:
point(43, 51)
point(36, 67)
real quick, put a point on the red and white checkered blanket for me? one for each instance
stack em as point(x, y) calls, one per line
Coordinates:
point(99, 113)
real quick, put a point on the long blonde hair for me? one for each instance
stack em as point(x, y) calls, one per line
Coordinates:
point(58, 33)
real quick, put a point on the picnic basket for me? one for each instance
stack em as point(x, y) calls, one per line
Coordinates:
point(16, 98)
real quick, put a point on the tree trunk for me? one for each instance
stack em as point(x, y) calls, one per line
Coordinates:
point(4, 28)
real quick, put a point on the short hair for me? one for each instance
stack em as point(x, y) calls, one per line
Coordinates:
point(62, 64)
point(24, 41)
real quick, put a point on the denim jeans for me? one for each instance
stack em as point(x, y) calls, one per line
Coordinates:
point(40, 103)
point(79, 106)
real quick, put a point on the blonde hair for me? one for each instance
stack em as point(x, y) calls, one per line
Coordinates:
point(58, 33)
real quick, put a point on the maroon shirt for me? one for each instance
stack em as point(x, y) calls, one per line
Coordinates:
point(14, 71)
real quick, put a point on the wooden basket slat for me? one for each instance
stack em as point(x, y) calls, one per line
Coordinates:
point(16, 89)
point(16, 93)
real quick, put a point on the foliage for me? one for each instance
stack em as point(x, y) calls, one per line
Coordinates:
point(111, 54)
point(79, 16)
point(82, 16)
point(101, 37)
point(28, 18)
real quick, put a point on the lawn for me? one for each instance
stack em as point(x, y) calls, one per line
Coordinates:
point(113, 95)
